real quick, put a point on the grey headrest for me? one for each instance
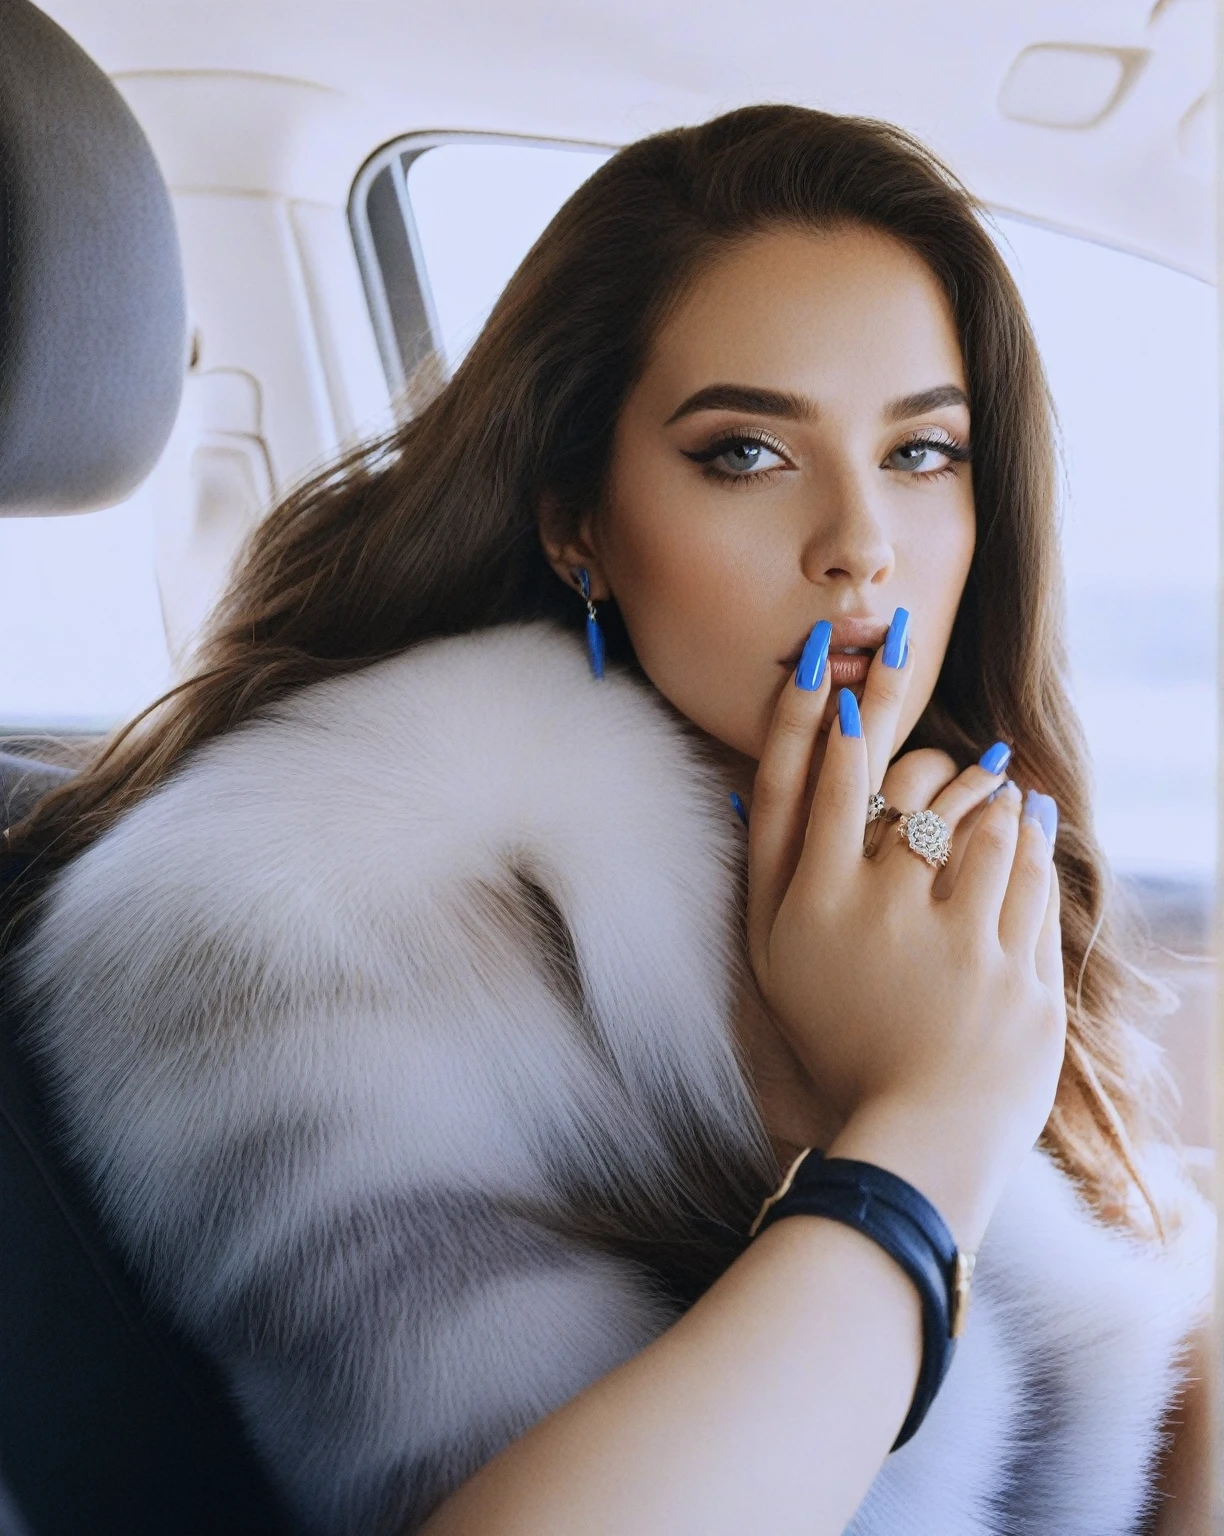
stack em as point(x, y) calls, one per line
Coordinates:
point(92, 319)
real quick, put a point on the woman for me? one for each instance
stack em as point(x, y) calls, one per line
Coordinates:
point(430, 1043)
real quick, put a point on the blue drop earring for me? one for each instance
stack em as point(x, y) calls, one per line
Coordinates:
point(594, 635)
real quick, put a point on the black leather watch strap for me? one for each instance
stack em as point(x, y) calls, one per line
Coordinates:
point(907, 1226)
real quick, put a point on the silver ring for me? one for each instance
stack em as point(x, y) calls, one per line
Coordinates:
point(879, 814)
point(928, 835)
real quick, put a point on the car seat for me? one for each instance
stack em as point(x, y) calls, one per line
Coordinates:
point(109, 1421)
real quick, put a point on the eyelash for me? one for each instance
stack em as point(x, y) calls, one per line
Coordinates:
point(955, 452)
point(705, 456)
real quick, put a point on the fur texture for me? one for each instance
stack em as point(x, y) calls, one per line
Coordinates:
point(394, 1033)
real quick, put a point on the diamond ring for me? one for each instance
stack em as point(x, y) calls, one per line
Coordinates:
point(927, 834)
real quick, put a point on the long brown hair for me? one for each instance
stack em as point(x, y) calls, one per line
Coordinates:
point(433, 530)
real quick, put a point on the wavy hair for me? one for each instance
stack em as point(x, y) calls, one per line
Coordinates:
point(432, 530)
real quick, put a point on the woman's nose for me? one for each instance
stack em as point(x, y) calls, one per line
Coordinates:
point(848, 541)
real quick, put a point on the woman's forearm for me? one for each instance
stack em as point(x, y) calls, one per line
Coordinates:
point(769, 1406)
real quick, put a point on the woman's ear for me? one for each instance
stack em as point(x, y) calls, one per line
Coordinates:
point(567, 550)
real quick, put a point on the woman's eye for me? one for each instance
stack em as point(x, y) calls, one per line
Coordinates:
point(740, 458)
point(923, 458)
point(745, 456)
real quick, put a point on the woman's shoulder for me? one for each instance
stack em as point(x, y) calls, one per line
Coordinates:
point(419, 767)
point(410, 817)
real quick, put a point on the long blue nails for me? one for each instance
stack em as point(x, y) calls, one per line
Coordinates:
point(810, 672)
point(896, 641)
point(1042, 809)
point(995, 759)
point(848, 714)
point(737, 805)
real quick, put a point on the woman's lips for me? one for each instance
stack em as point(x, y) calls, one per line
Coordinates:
point(853, 643)
point(845, 671)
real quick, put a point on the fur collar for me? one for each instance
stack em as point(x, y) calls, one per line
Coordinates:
point(393, 1031)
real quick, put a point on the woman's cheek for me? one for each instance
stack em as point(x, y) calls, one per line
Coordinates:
point(673, 567)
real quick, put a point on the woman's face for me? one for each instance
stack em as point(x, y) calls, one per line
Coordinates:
point(795, 450)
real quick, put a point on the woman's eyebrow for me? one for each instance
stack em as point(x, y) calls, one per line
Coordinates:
point(744, 397)
point(792, 407)
point(925, 400)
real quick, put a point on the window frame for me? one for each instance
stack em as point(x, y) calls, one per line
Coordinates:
point(388, 247)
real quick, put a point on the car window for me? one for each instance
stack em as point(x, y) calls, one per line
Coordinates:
point(478, 208)
point(82, 644)
point(1129, 347)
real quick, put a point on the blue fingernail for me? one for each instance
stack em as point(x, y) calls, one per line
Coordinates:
point(737, 805)
point(896, 641)
point(1042, 809)
point(995, 758)
point(848, 714)
point(810, 672)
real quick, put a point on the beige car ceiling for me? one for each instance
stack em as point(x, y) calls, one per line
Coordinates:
point(1092, 116)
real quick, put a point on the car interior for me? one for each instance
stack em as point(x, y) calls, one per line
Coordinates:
point(240, 237)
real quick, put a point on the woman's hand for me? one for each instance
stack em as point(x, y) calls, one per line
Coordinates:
point(934, 1024)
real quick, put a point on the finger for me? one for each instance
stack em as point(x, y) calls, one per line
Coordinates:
point(888, 680)
point(1028, 890)
point(1049, 956)
point(986, 866)
point(968, 789)
point(913, 781)
point(833, 846)
point(910, 784)
point(929, 778)
point(779, 789)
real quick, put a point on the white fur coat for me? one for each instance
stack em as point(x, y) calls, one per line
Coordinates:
point(394, 1033)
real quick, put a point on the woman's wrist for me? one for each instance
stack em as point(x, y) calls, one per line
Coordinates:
point(932, 1151)
point(905, 1224)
